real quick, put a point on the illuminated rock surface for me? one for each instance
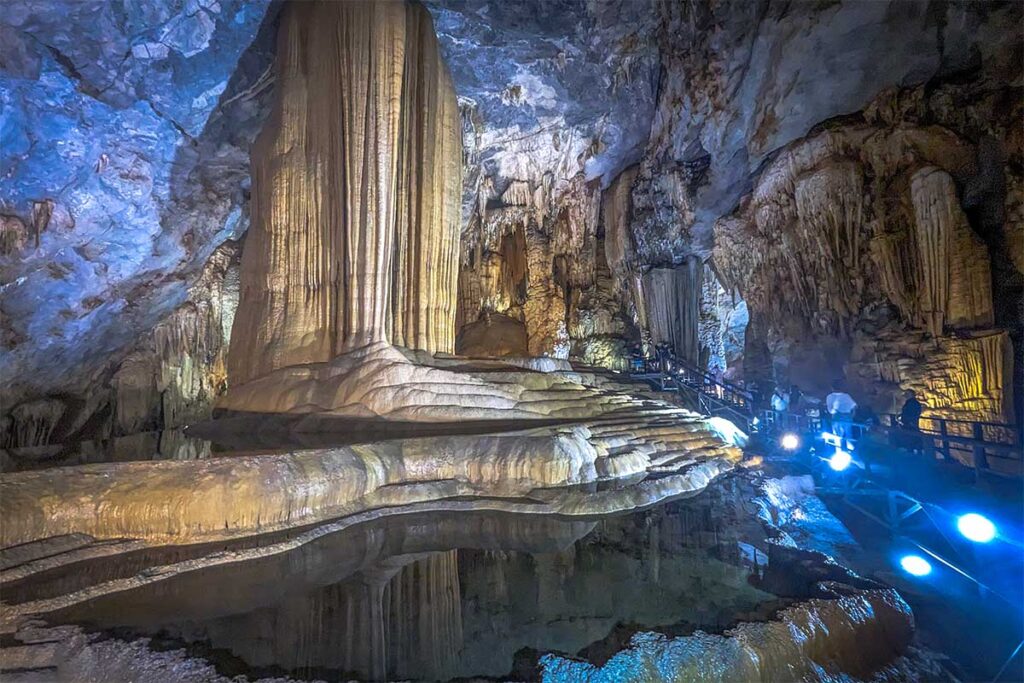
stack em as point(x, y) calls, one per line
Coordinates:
point(175, 501)
point(356, 175)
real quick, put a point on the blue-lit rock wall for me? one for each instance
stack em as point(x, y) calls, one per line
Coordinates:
point(124, 133)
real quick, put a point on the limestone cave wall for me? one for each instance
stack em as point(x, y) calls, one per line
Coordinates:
point(123, 186)
point(879, 238)
point(785, 191)
point(170, 377)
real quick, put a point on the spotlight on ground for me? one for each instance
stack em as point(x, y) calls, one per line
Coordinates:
point(975, 527)
point(790, 441)
point(915, 565)
point(840, 460)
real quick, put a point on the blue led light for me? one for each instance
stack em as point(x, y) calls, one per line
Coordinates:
point(790, 442)
point(975, 527)
point(840, 460)
point(915, 565)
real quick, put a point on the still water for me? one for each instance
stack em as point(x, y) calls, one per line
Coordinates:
point(441, 596)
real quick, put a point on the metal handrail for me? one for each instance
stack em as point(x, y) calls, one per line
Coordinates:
point(941, 443)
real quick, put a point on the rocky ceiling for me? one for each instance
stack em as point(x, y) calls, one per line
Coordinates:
point(125, 127)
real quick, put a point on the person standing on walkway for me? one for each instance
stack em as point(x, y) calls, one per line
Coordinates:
point(840, 406)
point(910, 419)
point(796, 399)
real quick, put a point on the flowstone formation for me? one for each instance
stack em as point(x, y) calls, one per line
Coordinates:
point(346, 307)
point(346, 299)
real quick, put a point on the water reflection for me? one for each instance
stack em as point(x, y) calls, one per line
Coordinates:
point(162, 445)
point(441, 596)
point(244, 435)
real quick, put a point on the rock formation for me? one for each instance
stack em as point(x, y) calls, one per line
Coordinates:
point(855, 240)
point(460, 594)
point(356, 184)
point(613, 129)
point(123, 168)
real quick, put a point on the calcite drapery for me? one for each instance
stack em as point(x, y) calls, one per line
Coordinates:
point(955, 280)
point(933, 224)
point(355, 217)
point(673, 299)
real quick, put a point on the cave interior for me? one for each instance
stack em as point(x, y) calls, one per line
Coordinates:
point(454, 339)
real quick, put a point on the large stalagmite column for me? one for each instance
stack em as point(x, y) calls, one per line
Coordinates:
point(356, 185)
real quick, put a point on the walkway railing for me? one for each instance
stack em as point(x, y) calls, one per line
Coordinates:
point(712, 397)
point(983, 444)
point(988, 446)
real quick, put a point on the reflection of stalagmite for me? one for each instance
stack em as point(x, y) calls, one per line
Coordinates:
point(423, 607)
point(358, 162)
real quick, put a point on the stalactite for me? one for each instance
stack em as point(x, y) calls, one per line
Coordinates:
point(829, 203)
point(618, 239)
point(716, 306)
point(175, 376)
point(659, 286)
point(544, 310)
point(356, 181)
point(13, 235)
point(890, 253)
point(574, 233)
point(934, 213)
point(597, 319)
point(518, 193)
point(32, 423)
point(997, 371)
point(639, 297)
point(970, 278)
